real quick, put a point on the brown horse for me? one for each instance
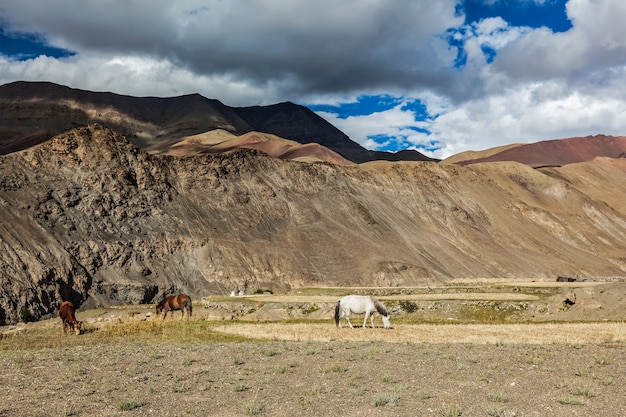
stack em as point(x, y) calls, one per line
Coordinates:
point(180, 302)
point(68, 317)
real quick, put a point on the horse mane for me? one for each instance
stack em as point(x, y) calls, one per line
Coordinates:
point(162, 303)
point(379, 307)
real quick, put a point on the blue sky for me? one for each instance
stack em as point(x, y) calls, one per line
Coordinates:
point(441, 76)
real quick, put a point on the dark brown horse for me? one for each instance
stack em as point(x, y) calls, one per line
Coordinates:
point(180, 302)
point(67, 312)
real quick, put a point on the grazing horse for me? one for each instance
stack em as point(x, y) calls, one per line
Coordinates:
point(180, 302)
point(359, 304)
point(68, 316)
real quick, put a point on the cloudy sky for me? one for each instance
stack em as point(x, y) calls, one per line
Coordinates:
point(440, 76)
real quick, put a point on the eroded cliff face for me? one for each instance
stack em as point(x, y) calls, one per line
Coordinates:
point(89, 217)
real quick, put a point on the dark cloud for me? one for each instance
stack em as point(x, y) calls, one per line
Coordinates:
point(324, 45)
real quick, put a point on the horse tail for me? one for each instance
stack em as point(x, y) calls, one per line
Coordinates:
point(190, 306)
point(337, 308)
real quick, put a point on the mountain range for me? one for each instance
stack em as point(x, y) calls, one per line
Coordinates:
point(32, 112)
point(163, 197)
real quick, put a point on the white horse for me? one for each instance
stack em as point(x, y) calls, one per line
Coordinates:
point(359, 304)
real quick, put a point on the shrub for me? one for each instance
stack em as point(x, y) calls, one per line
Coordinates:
point(129, 405)
point(253, 409)
point(26, 316)
point(340, 369)
point(571, 401)
point(408, 306)
point(382, 400)
point(498, 397)
point(450, 411)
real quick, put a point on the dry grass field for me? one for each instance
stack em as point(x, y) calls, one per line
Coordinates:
point(470, 353)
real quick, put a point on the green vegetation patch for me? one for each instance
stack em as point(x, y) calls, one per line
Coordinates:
point(129, 405)
point(490, 312)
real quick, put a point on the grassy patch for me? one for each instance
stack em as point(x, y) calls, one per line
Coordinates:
point(382, 400)
point(388, 379)
point(285, 368)
point(449, 411)
point(583, 392)
point(499, 412)
point(129, 405)
point(253, 409)
point(568, 400)
point(490, 312)
point(135, 331)
point(498, 396)
point(339, 369)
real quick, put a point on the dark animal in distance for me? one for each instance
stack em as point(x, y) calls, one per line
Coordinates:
point(180, 302)
point(67, 312)
point(565, 279)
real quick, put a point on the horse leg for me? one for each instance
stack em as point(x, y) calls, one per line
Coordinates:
point(348, 319)
point(372, 319)
point(367, 313)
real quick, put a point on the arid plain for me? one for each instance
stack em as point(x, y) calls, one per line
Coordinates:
point(467, 348)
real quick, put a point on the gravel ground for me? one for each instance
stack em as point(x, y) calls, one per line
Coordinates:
point(339, 378)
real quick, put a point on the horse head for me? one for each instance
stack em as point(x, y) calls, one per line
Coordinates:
point(387, 321)
point(159, 307)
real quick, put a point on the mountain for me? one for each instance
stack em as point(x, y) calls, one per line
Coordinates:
point(550, 152)
point(218, 141)
point(89, 216)
point(301, 124)
point(32, 112)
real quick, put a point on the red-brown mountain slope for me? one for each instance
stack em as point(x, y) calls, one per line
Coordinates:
point(550, 152)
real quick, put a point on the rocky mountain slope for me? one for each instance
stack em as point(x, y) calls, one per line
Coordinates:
point(32, 112)
point(89, 216)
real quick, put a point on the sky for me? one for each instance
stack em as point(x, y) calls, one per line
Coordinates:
point(440, 77)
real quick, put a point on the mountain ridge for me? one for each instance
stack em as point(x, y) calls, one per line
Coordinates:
point(555, 152)
point(47, 108)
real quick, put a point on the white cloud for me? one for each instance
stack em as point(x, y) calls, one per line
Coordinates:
point(527, 114)
point(540, 84)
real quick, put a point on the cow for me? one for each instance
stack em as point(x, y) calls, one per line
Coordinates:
point(66, 312)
